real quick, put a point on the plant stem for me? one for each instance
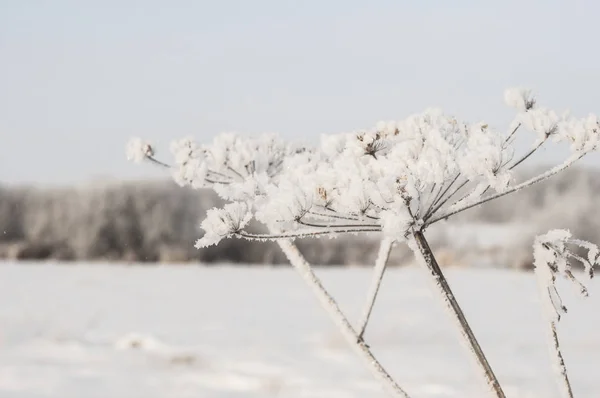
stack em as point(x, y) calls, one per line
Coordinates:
point(512, 133)
point(565, 386)
point(383, 255)
point(572, 159)
point(334, 312)
point(527, 155)
point(424, 255)
point(302, 233)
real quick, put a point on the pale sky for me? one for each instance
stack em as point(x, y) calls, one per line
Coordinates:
point(78, 78)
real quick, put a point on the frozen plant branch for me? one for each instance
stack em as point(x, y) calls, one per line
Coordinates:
point(300, 234)
point(383, 255)
point(230, 220)
point(552, 257)
point(512, 134)
point(527, 155)
point(397, 178)
point(331, 307)
point(567, 163)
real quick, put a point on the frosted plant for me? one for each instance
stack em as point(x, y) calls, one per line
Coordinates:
point(244, 171)
point(138, 150)
point(553, 256)
point(396, 179)
point(219, 223)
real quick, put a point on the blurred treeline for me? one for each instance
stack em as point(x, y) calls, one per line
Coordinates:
point(141, 221)
point(158, 221)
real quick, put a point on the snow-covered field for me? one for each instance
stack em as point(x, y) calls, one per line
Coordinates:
point(124, 332)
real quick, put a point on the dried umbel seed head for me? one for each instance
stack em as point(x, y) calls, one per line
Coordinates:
point(322, 193)
point(138, 150)
point(148, 150)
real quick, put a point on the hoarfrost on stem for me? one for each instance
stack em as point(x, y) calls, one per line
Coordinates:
point(553, 256)
point(222, 223)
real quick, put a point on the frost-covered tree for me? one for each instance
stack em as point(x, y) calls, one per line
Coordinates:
point(396, 180)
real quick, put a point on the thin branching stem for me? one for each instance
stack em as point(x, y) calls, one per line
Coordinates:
point(582, 289)
point(208, 179)
point(510, 136)
point(515, 188)
point(441, 196)
point(432, 198)
point(518, 162)
point(309, 224)
point(234, 171)
point(527, 155)
point(443, 202)
point(221, 175)
point(383, 255)
point(338, 317)
point(158, 162)
point(333, 216)
point(211, 181)
point(559, 362)
point(302, 233)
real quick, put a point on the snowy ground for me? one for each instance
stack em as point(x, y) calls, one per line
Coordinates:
point(125, 332)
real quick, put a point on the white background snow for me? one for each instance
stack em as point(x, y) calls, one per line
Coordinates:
point(96, 330)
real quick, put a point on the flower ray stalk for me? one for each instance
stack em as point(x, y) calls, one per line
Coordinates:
point(425, 257)
point(544, 176)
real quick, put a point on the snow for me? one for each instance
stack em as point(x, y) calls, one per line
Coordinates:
point(95, 330)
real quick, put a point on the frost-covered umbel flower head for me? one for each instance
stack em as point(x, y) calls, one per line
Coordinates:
point(190, 163)
point(394, 177)
point(137, 150)
point(222, 223)
point(519, 98)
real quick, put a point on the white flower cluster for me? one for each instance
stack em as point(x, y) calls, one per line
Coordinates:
point(137, 150)
point(222, 223)
point(554, 255)
point(391, 178)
